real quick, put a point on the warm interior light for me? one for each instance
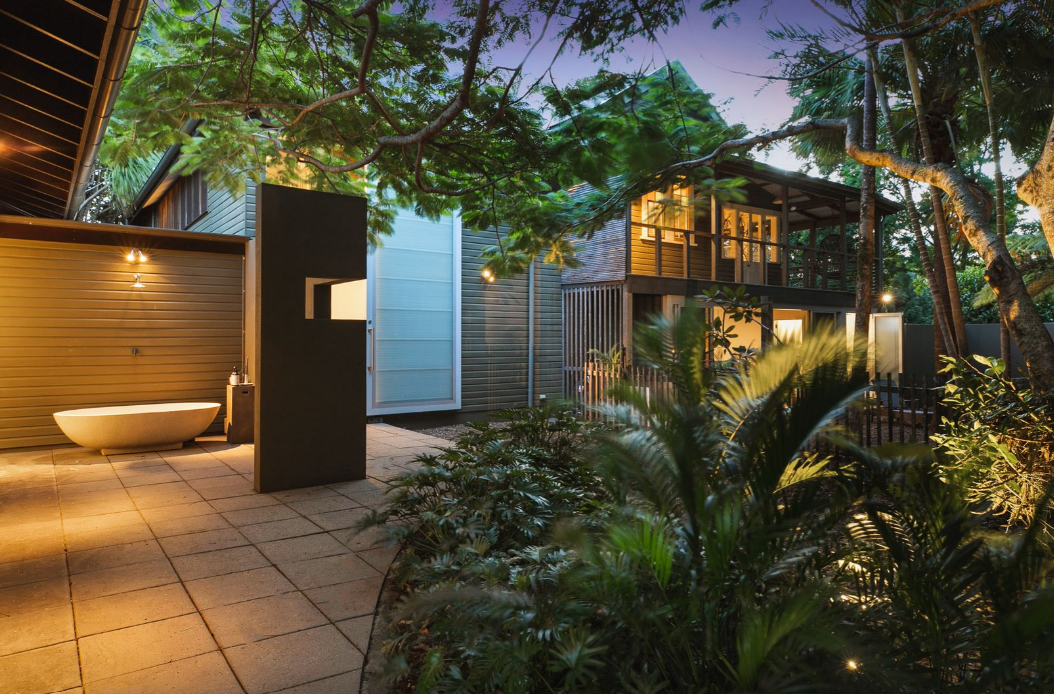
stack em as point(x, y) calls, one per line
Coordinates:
point(138, 283)
point(887, 298)
point(131, 256)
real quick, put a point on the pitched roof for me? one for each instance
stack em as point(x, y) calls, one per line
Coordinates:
point(60, 67)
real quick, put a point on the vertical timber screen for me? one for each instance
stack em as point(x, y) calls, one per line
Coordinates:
point(592, 320)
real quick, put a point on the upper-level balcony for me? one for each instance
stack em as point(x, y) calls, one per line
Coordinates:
point(791, 230)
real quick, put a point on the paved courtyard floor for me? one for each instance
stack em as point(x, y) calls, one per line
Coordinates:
point(166, 572)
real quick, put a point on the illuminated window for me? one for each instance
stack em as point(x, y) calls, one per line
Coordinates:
point(749, 228)
point(728, 249)
point(670, 209)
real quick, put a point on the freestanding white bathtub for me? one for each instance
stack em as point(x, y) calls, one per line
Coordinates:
point(162, 426)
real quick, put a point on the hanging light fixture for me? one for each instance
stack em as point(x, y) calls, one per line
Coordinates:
point(138, 283)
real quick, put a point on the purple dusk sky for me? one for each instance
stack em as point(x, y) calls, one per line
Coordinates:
point(710, 56)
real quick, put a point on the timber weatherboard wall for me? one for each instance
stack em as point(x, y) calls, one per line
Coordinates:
point(602, 257)
point(494, 332)
point(229, 214)
point(69, 319)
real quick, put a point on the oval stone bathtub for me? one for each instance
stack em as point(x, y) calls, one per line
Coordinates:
point(160, 426)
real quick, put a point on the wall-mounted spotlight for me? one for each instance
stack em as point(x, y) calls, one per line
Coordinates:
point(487, 275)
point(138, 283)
point(136, 256)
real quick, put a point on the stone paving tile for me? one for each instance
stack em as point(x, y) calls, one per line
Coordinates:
point(279, 530)
point(113, 556)
point(303, 494)
point(71, 489)
point(238, 587)
point(222, 487)
point(32, 597)
point(126, 533)
point(130, 457)
point(263, 618)
point(138, 464)
point(237, 503)
point(339, 520)
point(326, 571)
point(358, 631)
point(161, 580)
point(166, 513)
point(323, 504)
point(299, 548)
point(346, 600)
point(200, 473)
point(17, 573)
point(293, 659)
point(379, 558)
point(151, 477)
point(120, 652)
point(129, 609)
point(207, 541)
point(169, 494)
point(225, 561)
point(31, 630)
point(341, 684)
point(200, 674)
point(359, 540)
point(122, 579)
point(260, 514)
point(42, 671)
point(191, 524)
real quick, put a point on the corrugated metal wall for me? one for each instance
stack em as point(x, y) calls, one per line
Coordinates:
point(494, 334)
point(69, 320)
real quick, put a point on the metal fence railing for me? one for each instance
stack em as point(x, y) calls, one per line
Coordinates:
point(895, 408)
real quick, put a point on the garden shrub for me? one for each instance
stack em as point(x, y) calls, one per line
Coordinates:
point(999, 435)
point(697, 545)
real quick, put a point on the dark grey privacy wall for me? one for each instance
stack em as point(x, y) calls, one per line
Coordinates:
point(310, 373)
point(983, 339)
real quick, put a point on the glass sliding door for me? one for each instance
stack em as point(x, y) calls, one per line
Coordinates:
point(414, 317)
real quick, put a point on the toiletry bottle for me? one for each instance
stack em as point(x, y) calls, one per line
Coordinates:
point(234, 379)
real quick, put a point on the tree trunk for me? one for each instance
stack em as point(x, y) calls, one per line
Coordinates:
point(1036, 188)
point(943, 246)
point(1015, 304)
point(980, 49)
point(943, 339)
point(865, 254)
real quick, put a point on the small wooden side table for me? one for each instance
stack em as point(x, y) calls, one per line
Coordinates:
point(238, 424)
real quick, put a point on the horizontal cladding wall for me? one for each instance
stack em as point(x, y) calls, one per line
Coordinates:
point(494, 333)
point(601, 257)
point(69, 319)
point(642, 260)
point(229, 214)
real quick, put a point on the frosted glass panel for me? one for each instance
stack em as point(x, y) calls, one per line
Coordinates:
point(414, 315)
point(887, 337)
